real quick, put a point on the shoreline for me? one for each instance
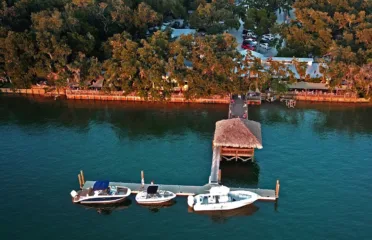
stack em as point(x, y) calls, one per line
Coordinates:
point(176, 98)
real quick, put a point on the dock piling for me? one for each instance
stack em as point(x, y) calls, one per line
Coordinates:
point(277, 189)
point(80, 183)
point(82, 177)
point(142, 178)
point(219, 175)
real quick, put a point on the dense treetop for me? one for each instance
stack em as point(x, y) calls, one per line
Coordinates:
point(67, 42)
point(339, 30)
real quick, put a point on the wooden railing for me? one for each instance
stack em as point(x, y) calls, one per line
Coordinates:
point(232, 152)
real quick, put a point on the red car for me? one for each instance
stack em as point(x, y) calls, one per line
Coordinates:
point(247, 46)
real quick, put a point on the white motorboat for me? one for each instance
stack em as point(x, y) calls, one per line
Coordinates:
point(221, 198)
point(153, 196)
point(101, 192)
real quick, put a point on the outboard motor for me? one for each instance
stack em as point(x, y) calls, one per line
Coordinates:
point(73, 193)
point(190, 201)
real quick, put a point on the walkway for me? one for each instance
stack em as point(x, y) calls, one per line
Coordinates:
point(182, 190)
point(213, 178)
point(238, 107)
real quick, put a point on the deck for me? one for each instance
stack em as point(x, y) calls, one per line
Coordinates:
point(238, 107)
point(213, 178)
point(183, 190)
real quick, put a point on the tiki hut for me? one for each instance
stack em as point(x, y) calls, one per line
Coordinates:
point(237, 138)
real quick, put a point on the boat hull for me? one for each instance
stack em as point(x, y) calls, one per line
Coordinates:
point(104, 200)
point(143, 200)
point(226, 205)
point(83, 196)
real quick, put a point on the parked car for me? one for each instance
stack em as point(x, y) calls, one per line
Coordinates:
point(251, 41)
point(176, 25)
point(264, 45)
point(245, 31)
point(268, 36)
point(249, 35)
point(246, 45)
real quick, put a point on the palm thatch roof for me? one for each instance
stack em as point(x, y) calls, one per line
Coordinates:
point(238, 133)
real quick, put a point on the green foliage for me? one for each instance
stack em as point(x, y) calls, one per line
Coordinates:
point(260, 20)
point(341, 30)
point(76, 41)
point(215, 17)
point(269, 5)
point(17, 51)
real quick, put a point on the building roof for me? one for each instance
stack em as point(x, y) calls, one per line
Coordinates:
point(288, 59)
point(308, 85)
point(239, 133)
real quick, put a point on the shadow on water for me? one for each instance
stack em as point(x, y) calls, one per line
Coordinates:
point(129, 119)
point(241, 174)
point(323, 117)
point(157, 208)
point(223, 216)
point(107, 209)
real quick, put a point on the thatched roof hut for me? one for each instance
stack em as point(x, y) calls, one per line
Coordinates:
point(238, 133)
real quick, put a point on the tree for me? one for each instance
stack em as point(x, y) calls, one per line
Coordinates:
point(17, 52)
point(363, 80)
point(260, 20)
point(215, 17)
point(153, 57)
point(52, 50)
point(122, 68)
point(322, 26)
point(301, 68)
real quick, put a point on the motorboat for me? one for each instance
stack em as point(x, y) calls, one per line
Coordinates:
point(221, 198)
point(101, 192)
point(154, 196)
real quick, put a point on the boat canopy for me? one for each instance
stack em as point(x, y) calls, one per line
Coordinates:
point(152, 189)
point(220, 190)
point(100, 185)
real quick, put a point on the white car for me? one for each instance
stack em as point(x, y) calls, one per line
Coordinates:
point(252, 41)
point(265, 46)
point(250, 35)
point(269, 37)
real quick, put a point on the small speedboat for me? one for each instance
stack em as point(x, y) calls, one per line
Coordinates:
point(221, 198)
point(153, 196)
point(101, 192)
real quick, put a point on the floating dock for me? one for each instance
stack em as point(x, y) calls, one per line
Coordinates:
point(182, 190)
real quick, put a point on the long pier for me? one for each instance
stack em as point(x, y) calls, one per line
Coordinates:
point(237, 109)
point(215, 169)
point(183, 190)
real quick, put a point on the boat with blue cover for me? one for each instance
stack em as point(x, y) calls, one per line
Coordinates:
point(101, 192)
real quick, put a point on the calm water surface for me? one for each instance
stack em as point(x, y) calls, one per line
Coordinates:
point(321, 154)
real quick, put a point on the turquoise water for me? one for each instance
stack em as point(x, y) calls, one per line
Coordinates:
point(320, 153)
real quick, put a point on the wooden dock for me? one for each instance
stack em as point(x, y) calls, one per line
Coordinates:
point(215, 175)
point(237, 109)
point(182, 190)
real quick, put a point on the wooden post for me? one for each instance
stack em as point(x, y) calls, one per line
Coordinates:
point(79, 177)
point(142, 178)
point(219, 175)
point(82, 177)
point(277, 189)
